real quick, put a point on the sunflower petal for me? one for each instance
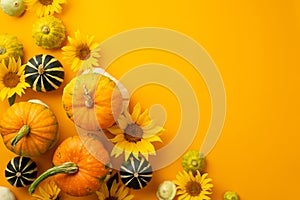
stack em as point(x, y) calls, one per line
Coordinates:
point(136, 112)
point(144, 119)
point(116, 151)
point(153, 131)
point(154, 138)
point(115, 130)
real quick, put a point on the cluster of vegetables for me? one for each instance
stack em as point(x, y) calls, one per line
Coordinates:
point(30, 129)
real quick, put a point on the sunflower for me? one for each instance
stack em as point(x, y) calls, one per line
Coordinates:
point(50, 192)
point(10, 47)
point(116, 192)
point(45, 7)
point(193, 187)
point(12, 79)
point(134, 134)
point(81, 52)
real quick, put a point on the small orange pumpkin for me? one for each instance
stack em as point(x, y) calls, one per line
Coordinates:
point(92, 101)
point(29, 129)
point(78, 171)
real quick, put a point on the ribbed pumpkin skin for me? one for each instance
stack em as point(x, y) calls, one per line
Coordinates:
point(106, 97)
point(44, 73)
point(21, 171)
point(49, 32)
point(43, 128)
point(135, 173)
point(91, 164)
point(14, 45)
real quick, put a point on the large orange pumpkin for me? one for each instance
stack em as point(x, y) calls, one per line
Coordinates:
point(78, 171)
point(92, 101)
point(29, 129)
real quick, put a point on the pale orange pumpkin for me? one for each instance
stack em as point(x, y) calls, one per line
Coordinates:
point(29, 129)
point(92, 101)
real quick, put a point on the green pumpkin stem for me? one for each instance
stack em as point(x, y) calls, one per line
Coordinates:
point(22, 133)
point(65, 168)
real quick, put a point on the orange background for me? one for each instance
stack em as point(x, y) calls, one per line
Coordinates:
point(255, 46)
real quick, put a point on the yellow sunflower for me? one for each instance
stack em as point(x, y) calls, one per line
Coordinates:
point(45, 7)
point(193, 187)
point(12, 78)
point(82, 52)
point(134, 134)
point(50, 192)
point(10, 47)
point(116, 192)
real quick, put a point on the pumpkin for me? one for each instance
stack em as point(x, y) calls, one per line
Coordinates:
point(49, 32)
point(10, 46)
point(13, 7)
point(136, 173)
point(229, 195)
point(6, 194)
point(78, 171)
point(92, 101)
point(21, 171)
point(44, 73)
point(166, 191)
point(193, 161)
point(29, 129)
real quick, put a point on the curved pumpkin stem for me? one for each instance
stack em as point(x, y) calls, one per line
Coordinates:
point(22, 133)
point(65, 168)
point(89, 102)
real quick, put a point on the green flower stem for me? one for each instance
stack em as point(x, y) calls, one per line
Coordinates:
point(22, 133)
point(65, 168)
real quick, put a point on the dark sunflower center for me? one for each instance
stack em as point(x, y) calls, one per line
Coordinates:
point(46, 2)
point(133, 133)
point(111, 198)
point(193, 188)
point(11, 80)
point(2, 50)
point(83, 52)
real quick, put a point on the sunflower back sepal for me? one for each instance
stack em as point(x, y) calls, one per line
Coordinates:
point(12, 99)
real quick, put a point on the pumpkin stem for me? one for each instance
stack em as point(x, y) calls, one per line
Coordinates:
point(46, 29)
point(65, 168)
point(41, 69)
point(2, 50)
point(22, 133)
point(89, 102)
